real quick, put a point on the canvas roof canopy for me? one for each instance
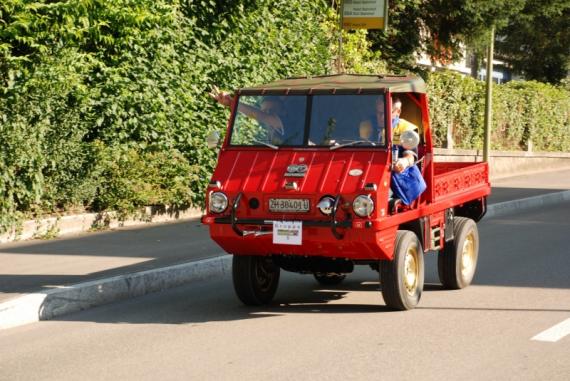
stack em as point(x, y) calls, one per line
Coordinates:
point(340, 83)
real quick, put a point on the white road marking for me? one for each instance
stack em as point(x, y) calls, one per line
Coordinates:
point(555, 333)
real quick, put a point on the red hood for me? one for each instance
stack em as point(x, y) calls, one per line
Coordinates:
point(263, 173)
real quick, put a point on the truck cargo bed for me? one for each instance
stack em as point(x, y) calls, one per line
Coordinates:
point(452, 180)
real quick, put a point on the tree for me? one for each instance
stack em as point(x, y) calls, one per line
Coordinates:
point(439, 28)
point(536, 42)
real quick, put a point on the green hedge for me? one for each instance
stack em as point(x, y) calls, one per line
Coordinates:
point(103, 103)
point(522, 111)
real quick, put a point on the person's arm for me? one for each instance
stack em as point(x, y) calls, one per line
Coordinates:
point(407, 160)
point(408, 156)
point(271, 120)
point(223, 98)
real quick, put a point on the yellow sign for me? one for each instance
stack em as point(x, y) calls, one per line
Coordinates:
point(364, 14)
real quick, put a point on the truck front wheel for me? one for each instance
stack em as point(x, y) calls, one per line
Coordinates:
point(255, 279)
point(403, 277)
point(457, 262)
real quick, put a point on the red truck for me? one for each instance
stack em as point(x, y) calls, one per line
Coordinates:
point(297, 187)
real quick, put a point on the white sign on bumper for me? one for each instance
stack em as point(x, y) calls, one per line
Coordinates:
point(288, 232)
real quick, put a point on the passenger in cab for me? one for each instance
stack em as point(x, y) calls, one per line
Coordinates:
point(373, 129)
point(406, 156)
point(407, 183)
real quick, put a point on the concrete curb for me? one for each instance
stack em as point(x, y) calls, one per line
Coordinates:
point(48, 305)
point(80, 223)
point(509, 207)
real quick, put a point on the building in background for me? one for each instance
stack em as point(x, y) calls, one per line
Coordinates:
point(501, 72)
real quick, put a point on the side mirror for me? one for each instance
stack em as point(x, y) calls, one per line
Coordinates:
point(213, 139)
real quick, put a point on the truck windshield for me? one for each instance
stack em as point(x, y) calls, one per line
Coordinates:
point(333, 121)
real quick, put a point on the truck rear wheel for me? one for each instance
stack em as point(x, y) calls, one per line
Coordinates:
point(329, 279)
point(457, 262)
point(255, 279)
point(403, 277)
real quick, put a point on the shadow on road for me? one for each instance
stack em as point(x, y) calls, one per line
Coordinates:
point(216, 302)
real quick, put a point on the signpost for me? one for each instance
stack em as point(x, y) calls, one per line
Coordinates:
point(364, 14)
point(361, 14)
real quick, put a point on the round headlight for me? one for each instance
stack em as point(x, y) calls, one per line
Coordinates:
point(218, 202)
point(326, 205)
point(363, 205)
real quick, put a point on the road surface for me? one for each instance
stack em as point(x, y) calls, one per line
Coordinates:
point(498, 328)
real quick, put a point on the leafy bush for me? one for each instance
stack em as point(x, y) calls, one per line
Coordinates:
point(523, 112)
point(104, 102)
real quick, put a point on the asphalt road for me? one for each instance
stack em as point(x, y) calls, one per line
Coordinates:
point(484, 332)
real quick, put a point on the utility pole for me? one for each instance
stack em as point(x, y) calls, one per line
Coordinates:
point(489, 98)
point(339, 58)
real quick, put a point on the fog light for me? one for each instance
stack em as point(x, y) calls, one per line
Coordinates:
point(326, 205)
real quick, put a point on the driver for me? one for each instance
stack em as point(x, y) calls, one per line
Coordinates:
point(372, 129)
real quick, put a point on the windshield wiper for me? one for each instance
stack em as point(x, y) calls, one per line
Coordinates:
point(266, 144)
point(351, 144)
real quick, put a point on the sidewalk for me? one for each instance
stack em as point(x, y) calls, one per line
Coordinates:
point(45, 267)
point(40, 265)
point(535, 184)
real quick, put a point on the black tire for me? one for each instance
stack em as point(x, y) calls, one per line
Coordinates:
point(402, 278)
point(457, 262)
point(329, 279)
point(255, 279)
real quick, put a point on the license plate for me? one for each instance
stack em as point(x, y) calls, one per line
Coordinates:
point(295, 205)
point(288, 232)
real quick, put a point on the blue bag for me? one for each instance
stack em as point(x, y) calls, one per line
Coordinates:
point(408, 185)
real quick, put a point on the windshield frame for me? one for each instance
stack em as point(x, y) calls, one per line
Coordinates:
point(309, 97)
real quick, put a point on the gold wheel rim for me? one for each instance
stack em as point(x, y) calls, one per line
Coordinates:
point(468, 256)
point(411, 270)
